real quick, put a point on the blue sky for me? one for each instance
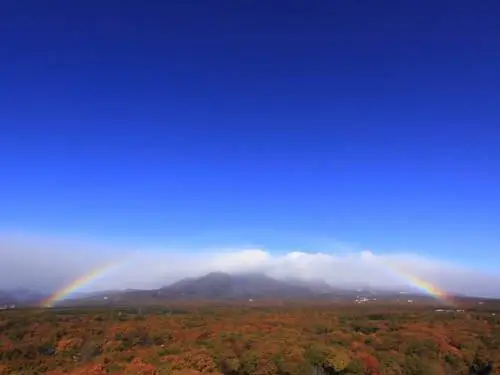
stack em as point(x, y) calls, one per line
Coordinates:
point(277, 124)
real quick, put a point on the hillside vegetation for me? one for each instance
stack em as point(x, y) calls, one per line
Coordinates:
point(295, 339)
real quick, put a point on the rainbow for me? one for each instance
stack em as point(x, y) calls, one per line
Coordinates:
point(80, 282)
point(426, 286)
point(429, 288)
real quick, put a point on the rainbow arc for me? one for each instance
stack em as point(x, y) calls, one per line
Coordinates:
point(424, 285)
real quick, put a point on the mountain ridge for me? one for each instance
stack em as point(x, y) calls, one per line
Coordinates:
point(223, 286)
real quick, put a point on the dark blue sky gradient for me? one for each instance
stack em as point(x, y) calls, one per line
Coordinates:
point(270, 122)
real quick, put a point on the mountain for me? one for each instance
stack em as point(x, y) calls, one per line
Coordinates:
point(220, 286)
point(20, 297)
point(224, 286)
point(7, 298)
point(317, 286)
point(216, 286)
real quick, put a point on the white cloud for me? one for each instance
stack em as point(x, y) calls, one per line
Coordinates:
point(43, 263)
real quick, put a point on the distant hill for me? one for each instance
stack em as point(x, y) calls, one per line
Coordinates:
point(221, 286)
point(20, 297)
point(224, 286)
point(7, 298)
point(317, 286)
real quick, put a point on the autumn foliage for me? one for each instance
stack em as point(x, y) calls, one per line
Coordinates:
point(297, 339)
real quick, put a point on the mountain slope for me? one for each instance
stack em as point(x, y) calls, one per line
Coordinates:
point(219, 285)
point(20, 296)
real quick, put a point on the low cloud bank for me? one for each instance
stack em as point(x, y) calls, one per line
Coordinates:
point(44, 264)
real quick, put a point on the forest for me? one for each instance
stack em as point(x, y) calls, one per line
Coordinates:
point(293, 339)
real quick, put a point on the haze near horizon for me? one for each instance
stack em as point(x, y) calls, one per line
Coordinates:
point(48, 265)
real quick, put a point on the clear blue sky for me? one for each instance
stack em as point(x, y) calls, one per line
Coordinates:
point(281, 123)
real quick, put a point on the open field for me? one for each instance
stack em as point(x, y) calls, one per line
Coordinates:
point(266, 338)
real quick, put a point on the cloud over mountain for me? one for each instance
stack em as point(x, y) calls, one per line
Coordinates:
point(47, 264)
